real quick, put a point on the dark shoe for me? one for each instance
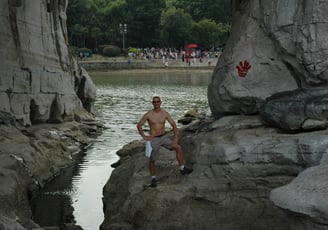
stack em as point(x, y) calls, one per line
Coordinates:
point(153, 183)
point(186, 171)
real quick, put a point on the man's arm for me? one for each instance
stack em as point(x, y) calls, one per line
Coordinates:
point(139, 127)
point(174, 126)
point(140, 124)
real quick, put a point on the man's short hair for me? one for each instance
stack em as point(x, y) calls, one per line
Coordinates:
point(157, 98)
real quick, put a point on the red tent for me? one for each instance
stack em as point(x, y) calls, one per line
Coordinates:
point(191, 46)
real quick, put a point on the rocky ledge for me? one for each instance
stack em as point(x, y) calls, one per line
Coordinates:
point(239, 164)
point(29, 158)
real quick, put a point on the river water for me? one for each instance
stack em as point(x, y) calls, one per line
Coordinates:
point(122, 98)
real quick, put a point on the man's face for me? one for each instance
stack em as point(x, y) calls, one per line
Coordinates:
point(156, 102)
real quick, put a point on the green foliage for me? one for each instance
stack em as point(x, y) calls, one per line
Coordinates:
point(175, 27)
point(133, 50)
point(143, 18)
point(150, 22)
point(216, 10)
point(111, 51)
point(75, 51)
point(208, 34)
point(83, 49)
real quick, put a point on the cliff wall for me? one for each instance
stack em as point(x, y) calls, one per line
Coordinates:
point(46, 104)
point(40, 82)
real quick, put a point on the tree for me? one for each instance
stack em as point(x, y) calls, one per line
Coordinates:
point(150, 22)
point(112, 15)
point(208, 34)
point(175, 27)
point(216, 10)
point(82, 22)
point(143, 19)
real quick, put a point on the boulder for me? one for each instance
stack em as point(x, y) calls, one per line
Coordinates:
point(190, 116)
point(306, 194)
point(237, 162)
point(280, 41)
point(301, 109)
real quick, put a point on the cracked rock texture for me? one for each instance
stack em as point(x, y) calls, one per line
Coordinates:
point(40, 82)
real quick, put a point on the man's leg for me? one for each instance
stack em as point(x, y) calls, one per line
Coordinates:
point(152, 173)
point(167, 143)
point(152, 167)
point(178, 150)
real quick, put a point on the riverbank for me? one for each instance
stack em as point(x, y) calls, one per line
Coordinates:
point(122, 63)
point(29, 158)
point(151, 70)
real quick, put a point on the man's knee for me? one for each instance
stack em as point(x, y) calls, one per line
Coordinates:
point(176, 147)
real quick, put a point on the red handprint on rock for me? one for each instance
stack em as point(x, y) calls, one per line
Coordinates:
point(243, 68)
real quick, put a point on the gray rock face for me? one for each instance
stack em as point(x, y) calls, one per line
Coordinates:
point(29, 159)
point(306, 194)
point(236, 161)
point(39, 81)
point(303, 109)
point(286, 46)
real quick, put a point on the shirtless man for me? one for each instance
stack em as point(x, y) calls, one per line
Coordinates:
point(156, 119)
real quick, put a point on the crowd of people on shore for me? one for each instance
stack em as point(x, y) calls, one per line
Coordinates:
point(189, 56)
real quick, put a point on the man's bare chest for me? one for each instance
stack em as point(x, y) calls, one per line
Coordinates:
point(157, 118)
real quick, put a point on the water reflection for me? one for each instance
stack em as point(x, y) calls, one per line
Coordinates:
point(53, 206)
point(122, 98)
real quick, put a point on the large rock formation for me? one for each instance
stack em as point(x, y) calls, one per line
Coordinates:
point(40, 82)
point(286, 46)
point(237, 161)
point(41, 86)
point(243, 164)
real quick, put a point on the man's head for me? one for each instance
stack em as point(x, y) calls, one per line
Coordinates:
point(156, 101)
